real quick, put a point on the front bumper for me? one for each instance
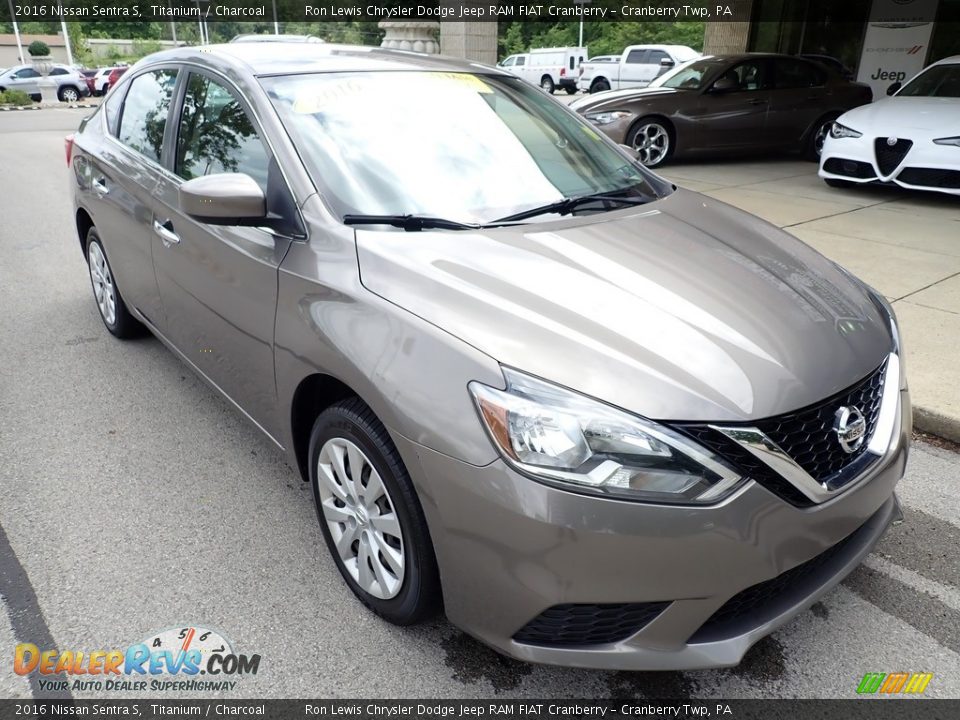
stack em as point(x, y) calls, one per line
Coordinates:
point(509, 548)
point(926, 165)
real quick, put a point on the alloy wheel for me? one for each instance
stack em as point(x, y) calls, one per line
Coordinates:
point(103, 287)
point(652, 143)
point(70, 95)
point(361, 518)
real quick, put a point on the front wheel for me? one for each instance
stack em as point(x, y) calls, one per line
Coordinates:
point(68, 94)
point(651, 138)
point(546, 83)
point(370, 516)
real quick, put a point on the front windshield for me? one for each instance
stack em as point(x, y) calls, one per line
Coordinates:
point(464, 147)
point(937, 81)
point(692, 75)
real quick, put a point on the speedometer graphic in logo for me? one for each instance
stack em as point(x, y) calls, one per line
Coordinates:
point(190, 637)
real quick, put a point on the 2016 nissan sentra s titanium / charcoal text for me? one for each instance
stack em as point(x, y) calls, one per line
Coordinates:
point(602, 420)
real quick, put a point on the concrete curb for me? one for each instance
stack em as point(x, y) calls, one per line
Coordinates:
point(935, 423)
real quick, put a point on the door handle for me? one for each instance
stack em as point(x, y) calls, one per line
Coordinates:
point(100, 186)
point(165, 231)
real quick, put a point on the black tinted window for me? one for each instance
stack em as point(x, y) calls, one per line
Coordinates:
point(657, 55)
point(637, 56)
point(27, 73)
point(216, 134)
point(58, 71)
point(521, 61)
point(798, 74)
point(747, 76)
point(144, 116)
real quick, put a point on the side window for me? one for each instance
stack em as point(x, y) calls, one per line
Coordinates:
point(112, 109)
point(656, 56)
point(747, 75)
point(573, 61)
point(27, 73)
point(797, 74)
point(216, 134)
point(144, 115)
point(522, 60)
point(58, 71)
point(637, 57)
point(509, 61)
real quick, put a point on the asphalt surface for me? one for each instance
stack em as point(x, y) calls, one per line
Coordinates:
point(134, 500)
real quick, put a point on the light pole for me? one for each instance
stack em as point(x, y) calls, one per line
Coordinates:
point(581, 3)
point(16, 32)
point(66, 41)
point(276, 25)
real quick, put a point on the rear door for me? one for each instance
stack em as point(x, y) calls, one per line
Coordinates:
point(799, 98)
point(121, 177)
point(635, 71)
point(738, 117)
point(218, 283)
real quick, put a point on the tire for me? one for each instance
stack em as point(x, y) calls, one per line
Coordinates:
point(571, 89)
point(106, 86)
point(402, 594)
point(68, 94)
point(834, 183)
point(546, 84)
point(599, 85)
point(653, 139)
point(814, 143)
point(116, 317)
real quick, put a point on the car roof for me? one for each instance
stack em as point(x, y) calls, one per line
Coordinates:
point(282, 58)
point(952, 60)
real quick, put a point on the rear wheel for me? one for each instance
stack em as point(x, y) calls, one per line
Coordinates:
point(599, 85)
point(817, 137)
point(834, 183)
point(113, 310)
point(68, 94)
point(370, 516)
point(546, 82)
point(571, 89)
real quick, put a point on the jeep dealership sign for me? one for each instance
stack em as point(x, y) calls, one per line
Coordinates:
point(896, 43)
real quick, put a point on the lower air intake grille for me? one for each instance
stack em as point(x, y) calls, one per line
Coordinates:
point(580, 625)
point(850, 168)
point(930, 177)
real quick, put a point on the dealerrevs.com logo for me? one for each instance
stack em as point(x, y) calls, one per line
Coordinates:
point(171, 660)
point(894, 683)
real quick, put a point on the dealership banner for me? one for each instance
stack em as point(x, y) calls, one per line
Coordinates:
point(896, 43)
point(505, 709)
point(266, 11)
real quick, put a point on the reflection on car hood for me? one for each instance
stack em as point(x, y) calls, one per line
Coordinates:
point(617, 98)
point(686, 309)
point(899, 115)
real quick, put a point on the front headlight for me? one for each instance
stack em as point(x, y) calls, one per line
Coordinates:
point(562, 438)
point(838, 131)
point(605, 118)
point(948, 141)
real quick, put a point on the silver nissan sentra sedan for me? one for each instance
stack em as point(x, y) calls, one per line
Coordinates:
point(601, 420)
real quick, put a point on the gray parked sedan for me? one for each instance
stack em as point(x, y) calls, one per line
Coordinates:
point(604, 421)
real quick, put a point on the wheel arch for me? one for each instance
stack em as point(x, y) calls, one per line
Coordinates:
point(84, 223)
point(314, 394)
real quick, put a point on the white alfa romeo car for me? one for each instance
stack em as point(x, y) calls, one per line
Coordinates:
point(911, 139)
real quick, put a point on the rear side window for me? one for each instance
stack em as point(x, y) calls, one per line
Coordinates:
point(797, 74)
point(144, 116)
point(521, 61)
point(216, 135)
point(637, 57)
point(58, 71)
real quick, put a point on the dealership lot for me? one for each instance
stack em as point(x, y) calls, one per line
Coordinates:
point(136, 500)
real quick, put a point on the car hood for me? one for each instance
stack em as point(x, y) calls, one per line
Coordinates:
point(685, 309)
point(619, 98)
point(899, 115)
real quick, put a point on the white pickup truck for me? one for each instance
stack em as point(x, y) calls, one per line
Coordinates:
point(637, 67)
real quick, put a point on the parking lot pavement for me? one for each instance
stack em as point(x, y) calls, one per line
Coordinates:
point(136, 500)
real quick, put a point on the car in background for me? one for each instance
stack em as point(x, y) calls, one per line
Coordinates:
point(71, 83)
point(727, 104)
point(515, 64)
point(88, 75)
point(550, 68)
point(636, 67)
point(23, 78)
point(270, 37)
point(464, 350)
point(832, 63)
point(99, 83)
point(114, 77)
point(911, 139)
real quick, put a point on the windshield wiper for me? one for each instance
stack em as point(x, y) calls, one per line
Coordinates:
point(410, 223)
point(568, 205)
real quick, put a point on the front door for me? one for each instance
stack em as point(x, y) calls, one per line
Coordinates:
point(736, 116)
point(218, 283)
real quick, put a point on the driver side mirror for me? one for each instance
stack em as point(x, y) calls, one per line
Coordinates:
point(724, 84)
point(224, 199)
point(894, 87)
point(666, 62)
point(632, 152)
